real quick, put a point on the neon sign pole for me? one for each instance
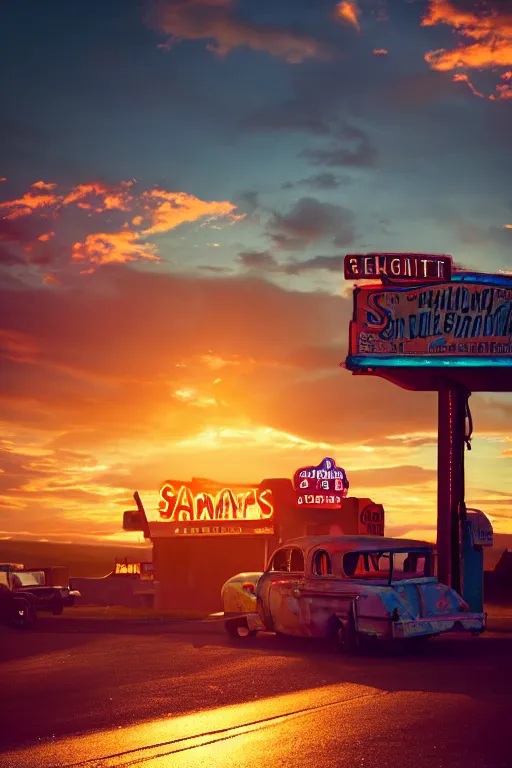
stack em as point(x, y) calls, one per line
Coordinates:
point(424, 326)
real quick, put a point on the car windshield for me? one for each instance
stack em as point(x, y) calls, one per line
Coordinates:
point(31, 579)
point(389, 565)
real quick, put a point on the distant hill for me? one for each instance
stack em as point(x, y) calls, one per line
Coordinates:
point(81, 559)
point(98, 559)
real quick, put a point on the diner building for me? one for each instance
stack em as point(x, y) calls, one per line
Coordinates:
point(207, 532)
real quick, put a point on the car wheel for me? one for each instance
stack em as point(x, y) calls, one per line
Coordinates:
point(237, 629)
point(24, 614)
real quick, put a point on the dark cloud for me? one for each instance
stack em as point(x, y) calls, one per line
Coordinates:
point(248, 201)
point(352, 147)
point(363, 156)
point(266, 262)
point(18, 231)
point(298, 114)
point(469, 234)
point(324, 180)
point(261, 260)
point(219, 22)
point(310, 221)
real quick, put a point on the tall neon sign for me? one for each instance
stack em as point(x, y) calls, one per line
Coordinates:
point(323, 486)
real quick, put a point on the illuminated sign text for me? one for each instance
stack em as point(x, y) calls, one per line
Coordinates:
point(371, 520)
point(322, 486)
point(183, 505)
point(451, 319)
point(400, 267)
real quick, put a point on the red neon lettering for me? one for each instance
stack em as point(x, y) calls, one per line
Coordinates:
point(204, 507)
point(183, 506)
point(184, 509)
point(226, 507)
point(167, 501)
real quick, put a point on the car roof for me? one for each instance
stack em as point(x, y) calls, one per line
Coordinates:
point(356, 543)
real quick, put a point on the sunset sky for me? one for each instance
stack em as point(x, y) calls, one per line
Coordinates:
point(179, 183)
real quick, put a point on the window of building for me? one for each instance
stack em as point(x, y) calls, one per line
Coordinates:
point(322, 563)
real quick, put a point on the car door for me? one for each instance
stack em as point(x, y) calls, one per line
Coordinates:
point(285, 593)
point(320, 596)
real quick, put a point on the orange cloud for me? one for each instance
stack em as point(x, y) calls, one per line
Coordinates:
point(117, 199)
point(46, 236)
point(27, 204)
point(170, 209)
point(461, 78)
point(349, 13)
point(485, 38)
point(215, 20)
point(43, 185)
point(83, 190)
point(380, 52)
point(163, 211)
point(108, 248)
point(503, 90)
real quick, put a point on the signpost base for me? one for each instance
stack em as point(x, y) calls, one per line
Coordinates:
point(452, 400)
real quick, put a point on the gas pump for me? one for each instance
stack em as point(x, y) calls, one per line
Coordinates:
point(477, 533)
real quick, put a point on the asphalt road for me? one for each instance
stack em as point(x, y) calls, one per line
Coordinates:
point(181, 699)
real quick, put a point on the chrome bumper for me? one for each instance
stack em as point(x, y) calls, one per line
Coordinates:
point(475, 623)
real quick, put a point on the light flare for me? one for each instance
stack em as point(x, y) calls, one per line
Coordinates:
point(348, 12)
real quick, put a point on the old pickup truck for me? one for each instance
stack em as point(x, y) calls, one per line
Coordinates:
point(348, 588)
point(38, 590)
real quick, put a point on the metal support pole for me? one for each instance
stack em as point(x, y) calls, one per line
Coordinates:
point(452, 401)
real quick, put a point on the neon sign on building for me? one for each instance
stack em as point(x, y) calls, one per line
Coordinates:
point(323, 486)
point(183, 505)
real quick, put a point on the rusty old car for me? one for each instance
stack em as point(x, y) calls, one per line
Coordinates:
point(348, 588)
